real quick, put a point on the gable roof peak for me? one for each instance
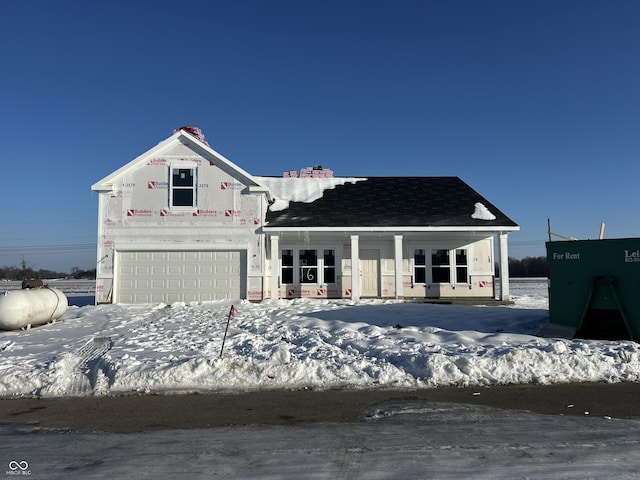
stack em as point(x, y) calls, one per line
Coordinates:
point(193, 138)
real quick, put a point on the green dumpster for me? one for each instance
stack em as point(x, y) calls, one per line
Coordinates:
point(594, 287)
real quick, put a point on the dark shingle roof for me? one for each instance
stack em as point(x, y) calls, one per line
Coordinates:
point(392, 202)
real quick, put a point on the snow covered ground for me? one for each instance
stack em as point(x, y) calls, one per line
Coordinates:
point(114, 349)
point(97, 350)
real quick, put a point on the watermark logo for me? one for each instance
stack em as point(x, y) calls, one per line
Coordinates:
point(18, 467)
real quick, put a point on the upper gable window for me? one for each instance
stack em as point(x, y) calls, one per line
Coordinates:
point(182, 187)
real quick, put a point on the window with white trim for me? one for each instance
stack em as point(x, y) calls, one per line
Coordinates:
point(462, 267)
point(440, 266)
point(182, 187)
point(329, 266)
point(447, 266)
point(419, 266)
point(287, 266)
point(307, 266)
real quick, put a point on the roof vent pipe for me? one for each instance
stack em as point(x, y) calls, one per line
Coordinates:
point(195, 131)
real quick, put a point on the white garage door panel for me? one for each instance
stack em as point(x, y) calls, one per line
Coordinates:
point(167, 277)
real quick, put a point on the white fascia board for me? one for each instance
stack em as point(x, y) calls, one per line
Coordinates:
point(221, 161)
point(259, 189)
point(102, 187)
point(266, 228)
point(106, 184)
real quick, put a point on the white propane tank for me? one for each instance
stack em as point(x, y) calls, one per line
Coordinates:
point(34, 306)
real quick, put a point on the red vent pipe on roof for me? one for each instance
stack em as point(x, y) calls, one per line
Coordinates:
point(195, 131)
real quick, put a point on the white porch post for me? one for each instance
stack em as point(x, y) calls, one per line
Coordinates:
point(397, 239)
point(275, 265)
point(503, 250)
point(355, 267)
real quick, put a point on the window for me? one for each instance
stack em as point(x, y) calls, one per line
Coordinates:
point(462, 269)
point(329, 266)
point(287, 266)
point(182, 192)
point(419, 266)
point(440, 268)
point(447, 266)
point(306, 266)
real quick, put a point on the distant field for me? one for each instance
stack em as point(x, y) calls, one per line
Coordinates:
point(85, 288)
point(69, 287)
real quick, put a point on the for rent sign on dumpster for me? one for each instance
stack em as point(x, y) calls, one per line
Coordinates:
point(594, 287)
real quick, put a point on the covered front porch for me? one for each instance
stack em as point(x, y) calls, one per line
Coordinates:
point(426, 265)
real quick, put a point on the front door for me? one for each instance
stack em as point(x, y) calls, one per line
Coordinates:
point(369, 261)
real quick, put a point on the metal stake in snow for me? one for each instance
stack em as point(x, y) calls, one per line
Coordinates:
point(232, 311)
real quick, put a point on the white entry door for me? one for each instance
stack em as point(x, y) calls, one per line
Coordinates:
point(369, 283)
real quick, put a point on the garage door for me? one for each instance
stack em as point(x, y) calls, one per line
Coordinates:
point(179, 276)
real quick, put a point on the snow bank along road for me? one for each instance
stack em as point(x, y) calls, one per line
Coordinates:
point(302, 344)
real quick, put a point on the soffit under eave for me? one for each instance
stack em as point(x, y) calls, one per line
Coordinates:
point(391, 230)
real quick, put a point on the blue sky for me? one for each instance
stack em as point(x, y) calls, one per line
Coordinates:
point(534, 104)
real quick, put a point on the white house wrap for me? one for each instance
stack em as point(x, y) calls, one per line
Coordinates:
point(182, 223)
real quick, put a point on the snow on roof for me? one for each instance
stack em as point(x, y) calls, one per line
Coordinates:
point(306, 190)
point(482, 213)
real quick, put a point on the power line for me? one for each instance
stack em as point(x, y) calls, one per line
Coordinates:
point(36, 249)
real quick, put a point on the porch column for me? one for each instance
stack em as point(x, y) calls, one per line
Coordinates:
point(275, 265)
point(355, 267)
point(503, 250)
point(397, 241)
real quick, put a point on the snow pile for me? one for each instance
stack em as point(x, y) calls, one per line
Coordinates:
point(306, 190)
point(305, 343)
point(482, 213)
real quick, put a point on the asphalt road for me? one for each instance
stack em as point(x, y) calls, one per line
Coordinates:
point(138, 413)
